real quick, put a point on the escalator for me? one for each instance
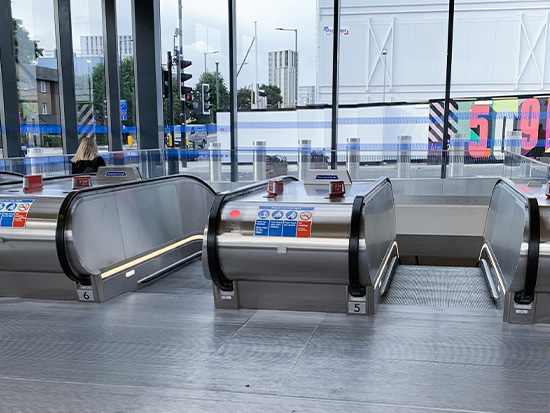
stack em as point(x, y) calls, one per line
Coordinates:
point(303, 250)
point(505, 277)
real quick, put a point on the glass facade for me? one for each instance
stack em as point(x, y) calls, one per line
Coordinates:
point(37, 75)
point(126, 73)
point(91, 103)
point(392, 78)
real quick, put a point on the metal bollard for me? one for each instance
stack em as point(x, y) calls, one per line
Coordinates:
point(215, 161)
point(513, 160)
point(36, 164)
point(259, 161)
point(353, 157)
point(404, 156)
point(456, 152)
point(304, 157)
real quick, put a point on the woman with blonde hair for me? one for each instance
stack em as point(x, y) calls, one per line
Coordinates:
point(86, 158)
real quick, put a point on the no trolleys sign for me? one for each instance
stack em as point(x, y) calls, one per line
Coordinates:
point(283, 221)
point(13, 212)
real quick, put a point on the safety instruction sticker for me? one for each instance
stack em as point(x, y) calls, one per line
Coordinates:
point(283, 221)
point(13, 212)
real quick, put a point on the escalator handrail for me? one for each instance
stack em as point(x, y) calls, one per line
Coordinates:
point(355, 287)
point(216, 274)
point(65, 209)
point(527, 295)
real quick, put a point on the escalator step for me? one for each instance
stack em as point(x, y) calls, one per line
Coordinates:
point(459, 287)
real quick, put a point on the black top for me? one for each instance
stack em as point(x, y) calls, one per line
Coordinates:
point(87, 166)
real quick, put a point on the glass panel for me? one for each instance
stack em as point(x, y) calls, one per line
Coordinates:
point(126, 73)
point(390, 51)
point(500, 86)
point(206, 44)
point(37, 76)
point(91, 104)
point(277, 80)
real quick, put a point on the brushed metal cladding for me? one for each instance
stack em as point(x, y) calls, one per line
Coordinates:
point(94, 237)
point(543, 275)
point(323, 256)
point(507, 232)
point(32, 248)
point(377, 233)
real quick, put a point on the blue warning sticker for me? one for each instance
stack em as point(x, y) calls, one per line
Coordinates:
point(283, 221)
point(13, 212)
point(261, 228)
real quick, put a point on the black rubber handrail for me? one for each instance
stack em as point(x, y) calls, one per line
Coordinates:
point(355, 287)
point(527, 295)
point(216, 274)
point(65, 208)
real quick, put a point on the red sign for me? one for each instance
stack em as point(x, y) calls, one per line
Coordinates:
point(305, 215)
point(19, 220)
point(304, 228)
point(83, 181)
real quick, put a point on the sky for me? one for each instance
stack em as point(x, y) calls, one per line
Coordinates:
point(205, 25)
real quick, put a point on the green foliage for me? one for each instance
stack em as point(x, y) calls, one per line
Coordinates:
point(243, 98)
point(52, 141)
point(127, 91)
point(127, 88)
point(210, 78)
point(26, 50)
point(273, 95)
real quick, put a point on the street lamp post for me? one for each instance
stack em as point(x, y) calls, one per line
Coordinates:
point(384, 53)
point(205, 53)
point(217, 88)
point(296, 61)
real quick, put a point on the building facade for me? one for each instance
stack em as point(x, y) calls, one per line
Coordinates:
point(499, 48)
point(306, 95)
point(283, 73)
point(91, 46)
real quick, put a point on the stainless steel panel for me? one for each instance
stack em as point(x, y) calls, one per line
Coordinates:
point(506, 231)
point(149, 217)
point(32, 248)
point(95, 236)
point(323, 256)
point(295, 296)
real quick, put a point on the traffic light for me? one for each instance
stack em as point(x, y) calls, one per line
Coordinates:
point(206, 99)
point(189, 103)
point(183, 77)
point(166, 84)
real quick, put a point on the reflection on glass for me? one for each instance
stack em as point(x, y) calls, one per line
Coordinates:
point(91, 106)
point(37, 75)
point(126, 73)
point(277, 79)
point(499, 86)
point(205, 43)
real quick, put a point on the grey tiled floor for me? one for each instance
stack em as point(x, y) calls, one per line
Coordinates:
point(167, 349)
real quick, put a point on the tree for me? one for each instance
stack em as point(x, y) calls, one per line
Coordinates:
point(273, 94)
point(26, 50)
point(210, 79)
point(128, 88)
point(243, 98)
